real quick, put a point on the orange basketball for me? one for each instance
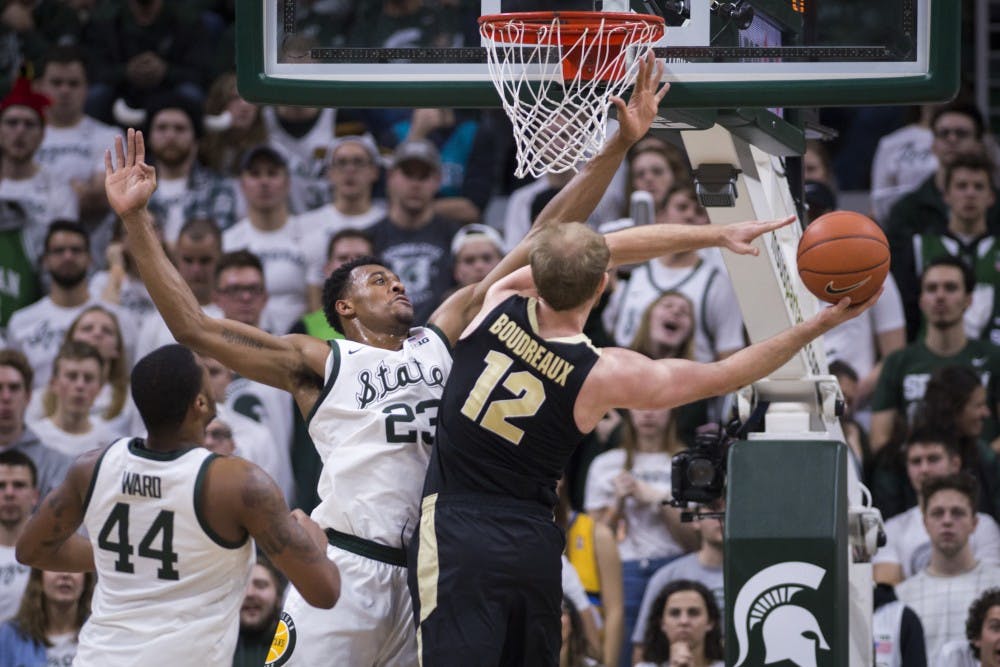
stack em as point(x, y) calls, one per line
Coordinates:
point(843, 253)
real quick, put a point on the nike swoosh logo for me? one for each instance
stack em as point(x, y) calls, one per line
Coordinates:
point(354, 350)
point(830, 289)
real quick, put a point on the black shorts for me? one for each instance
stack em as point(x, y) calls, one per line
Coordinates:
point(485, 578)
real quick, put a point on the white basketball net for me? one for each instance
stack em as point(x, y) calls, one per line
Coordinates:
point(560, 123)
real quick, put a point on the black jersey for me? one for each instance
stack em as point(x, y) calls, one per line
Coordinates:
point(506, 420)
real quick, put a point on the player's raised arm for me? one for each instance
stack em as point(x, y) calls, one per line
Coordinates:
point(672, 382)
point(573, 203)
point(251, 352)
point(50, 540)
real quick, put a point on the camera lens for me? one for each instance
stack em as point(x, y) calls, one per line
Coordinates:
point(701, 473)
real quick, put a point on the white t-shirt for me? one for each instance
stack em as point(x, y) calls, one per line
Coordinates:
point(272, 409)
point(647, 535)
point(62, 651)
point(717, 319)
point(46, 196)
point(77, 153)
point(287, 259)
point(853, 341)
point(171, 195)
point(572, 587)
point(956, 653)
point(155, 334)
point(71, 444)
point(134, 304)
point(126, 423)
point(909, 545)
point(254, 442)
point(942, 603)
point(322, 223)
point(903, 160)
point(38, 330)
point(13, 580)
point(306, 157)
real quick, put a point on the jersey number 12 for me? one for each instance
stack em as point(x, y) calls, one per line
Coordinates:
point(528, 391)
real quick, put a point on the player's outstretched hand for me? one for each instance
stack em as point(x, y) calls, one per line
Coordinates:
point(739, 236)
point(312, 529)
point(128, 181)
point(635, 117)
point(844, 310)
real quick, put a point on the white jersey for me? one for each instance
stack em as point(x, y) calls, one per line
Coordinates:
point(287, 258)
point(373, 428)
point(168, 590)
point(886, 633)
point(717, 319)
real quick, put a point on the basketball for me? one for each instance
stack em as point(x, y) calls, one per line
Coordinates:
point(843, 253)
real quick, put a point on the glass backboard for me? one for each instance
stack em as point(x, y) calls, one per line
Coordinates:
point(718, 53)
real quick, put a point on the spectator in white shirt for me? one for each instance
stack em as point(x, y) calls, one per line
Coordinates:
point(981, 646)
point(18, 497)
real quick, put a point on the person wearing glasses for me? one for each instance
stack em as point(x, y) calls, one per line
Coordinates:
point(958, 129)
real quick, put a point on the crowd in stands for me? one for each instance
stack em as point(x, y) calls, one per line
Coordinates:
point(258, 204)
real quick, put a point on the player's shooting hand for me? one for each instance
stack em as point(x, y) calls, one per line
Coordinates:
point(312, 529)
point(635, 117)
point(128, 181)
point(738, 237)
point(844, 310)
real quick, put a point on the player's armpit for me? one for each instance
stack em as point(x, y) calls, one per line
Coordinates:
point(50, 540)
point(286, 541)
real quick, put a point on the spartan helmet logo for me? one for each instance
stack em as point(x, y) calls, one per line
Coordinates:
point(766, 598)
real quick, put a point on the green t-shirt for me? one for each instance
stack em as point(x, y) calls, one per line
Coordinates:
point(905, 374)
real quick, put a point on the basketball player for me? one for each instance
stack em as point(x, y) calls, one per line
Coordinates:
point(526, 386)
point(170, 526)
point(372, 399)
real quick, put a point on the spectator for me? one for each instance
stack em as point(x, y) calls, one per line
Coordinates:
point(981, 646)
point(625, 490)
point(344, 246)
point(703, 566)
point(945, 294)
point(903, 160)
point(47, 626)
point(185, 189)
point(468, 152)
point(573, 591)
point(352, 173)
point(956, 402)
point(898, 634)
point(968, 192)
point(573, 652)
point(120, 286)
point(77, 375)
point(42, 193)
point(113, 407)
point(278, 238)
point(942, 592)
point(656, 168)
point(303, 136)
point(241, 295)
point(15, 392)
point(958, 128)
point(232, 433)
point(196, 254)
point(855, 434)
point(683, 628)
point(593, 553)
point(412, 239)
point(142, 48)
point(816, 165)
point(232, 127)
point(259, 613)
point(73, 145)
point(476, 249)
point(696, 274)
point(18, 497)
point(37, 330)
point(928, 455)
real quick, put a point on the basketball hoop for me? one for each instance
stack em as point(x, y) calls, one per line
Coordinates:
point(556, 72)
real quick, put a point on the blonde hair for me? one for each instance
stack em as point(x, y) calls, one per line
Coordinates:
point(117, 369)
point(643, 343)
point(671, 443)
point(32, 618)
point(568, 261)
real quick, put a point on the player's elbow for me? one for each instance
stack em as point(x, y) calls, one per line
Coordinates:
point(325, 592)
point(26, 552)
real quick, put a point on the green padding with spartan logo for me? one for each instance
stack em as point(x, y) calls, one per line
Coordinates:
point(786, 554)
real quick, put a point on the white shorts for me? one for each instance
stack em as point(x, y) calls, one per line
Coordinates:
point(370, 626)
